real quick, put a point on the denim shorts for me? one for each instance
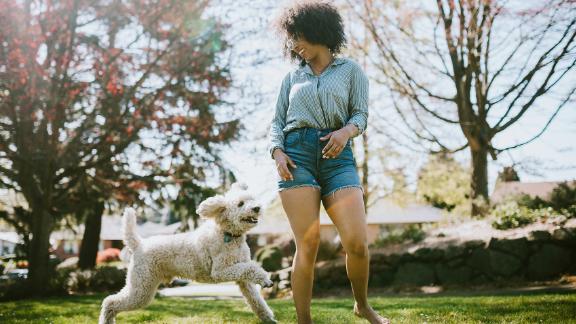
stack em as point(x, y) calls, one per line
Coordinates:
point(304, 147)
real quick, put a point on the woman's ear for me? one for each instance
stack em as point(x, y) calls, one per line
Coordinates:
point(212, 207)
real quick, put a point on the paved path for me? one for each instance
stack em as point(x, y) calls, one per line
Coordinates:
point(204, 291)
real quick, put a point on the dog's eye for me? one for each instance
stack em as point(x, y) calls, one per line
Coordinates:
point(240, 204)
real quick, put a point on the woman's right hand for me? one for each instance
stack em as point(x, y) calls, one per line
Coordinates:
point(282, 162)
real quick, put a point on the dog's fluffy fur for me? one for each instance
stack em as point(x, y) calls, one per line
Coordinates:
point(204, 255)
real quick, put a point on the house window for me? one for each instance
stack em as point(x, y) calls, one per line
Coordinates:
point(70, 247)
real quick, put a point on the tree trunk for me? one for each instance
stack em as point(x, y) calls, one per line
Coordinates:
point(91, 238)
point(38, 263)
point(479, 183)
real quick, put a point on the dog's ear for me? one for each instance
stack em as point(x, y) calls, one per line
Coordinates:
point(212, 207)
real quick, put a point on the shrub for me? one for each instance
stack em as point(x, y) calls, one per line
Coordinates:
point(563, 197)
point(101, 279)
point(108, 255)
point(328, 250)
point(12, 289)
point(569, 212)
point(79, 280)
point(270, 257)
point(512, 215)
point(530, 202)
point(411, 233)
point(108, 279)
point(562, 200)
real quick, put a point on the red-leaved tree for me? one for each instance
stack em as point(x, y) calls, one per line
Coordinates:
point(84, 82)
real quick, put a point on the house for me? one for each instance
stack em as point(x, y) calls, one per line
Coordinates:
point(504, 190)
point(382, 212)
point(8, 242)
point(66, 242)
point(9, 199)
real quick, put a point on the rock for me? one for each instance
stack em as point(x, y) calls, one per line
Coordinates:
point(331, 273)
point(270, 257)
point(284, 284)
point(428, 254)
point(564, 236)
point(287, 246)
point(449, 275)
point(381, 275)
point(480, 279)
point(406, 257)
point(517, 247)
point(285, 274)
point(415, 273)
point(539, 236)
point(455, 263)
point(454, 251)
point(381, 258)
point(392, 260)
point(548, 262)
point(474, 244)
point(480, 260)
point(504, 264)
point(378, 258)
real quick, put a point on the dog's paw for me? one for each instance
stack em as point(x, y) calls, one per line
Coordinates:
point(266, 283)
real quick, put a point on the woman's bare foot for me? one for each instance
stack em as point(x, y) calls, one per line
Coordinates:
point(369, 314)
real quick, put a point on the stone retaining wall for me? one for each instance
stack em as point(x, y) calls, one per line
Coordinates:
point(541, 255)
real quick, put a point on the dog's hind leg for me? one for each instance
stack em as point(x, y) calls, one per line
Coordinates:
point(138, 292)
point(256, 302)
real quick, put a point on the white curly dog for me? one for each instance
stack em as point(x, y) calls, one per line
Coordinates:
point(215, 252)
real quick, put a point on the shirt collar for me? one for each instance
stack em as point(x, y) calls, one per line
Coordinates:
point(337, 61)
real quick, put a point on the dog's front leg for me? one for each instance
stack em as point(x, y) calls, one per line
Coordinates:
point(245, 271)
point(256, 302)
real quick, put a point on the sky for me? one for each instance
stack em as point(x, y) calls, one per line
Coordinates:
point(552, 157)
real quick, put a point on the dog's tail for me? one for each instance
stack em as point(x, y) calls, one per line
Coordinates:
point(131, 238)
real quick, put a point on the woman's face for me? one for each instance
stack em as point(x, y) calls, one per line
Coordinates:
point(304, 49)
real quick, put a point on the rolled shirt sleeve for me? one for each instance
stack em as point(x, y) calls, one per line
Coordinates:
point(276, 133)
point(358, 104)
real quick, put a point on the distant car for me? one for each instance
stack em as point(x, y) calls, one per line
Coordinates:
point(16, 274)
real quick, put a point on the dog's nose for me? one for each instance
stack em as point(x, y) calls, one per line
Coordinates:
point(256, 209)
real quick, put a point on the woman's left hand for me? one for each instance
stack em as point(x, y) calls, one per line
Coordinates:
point(337, 141)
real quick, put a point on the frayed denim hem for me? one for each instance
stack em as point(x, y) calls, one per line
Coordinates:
point(333, 192)
point(300, 186)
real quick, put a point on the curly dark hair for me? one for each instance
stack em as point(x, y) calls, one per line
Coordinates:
point(316, 21)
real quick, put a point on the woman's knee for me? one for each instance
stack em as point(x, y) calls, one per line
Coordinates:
point(308, 247)
point(356, 247)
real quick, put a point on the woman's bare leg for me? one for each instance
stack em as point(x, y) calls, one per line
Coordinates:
point(346, 209)
point(302, 206)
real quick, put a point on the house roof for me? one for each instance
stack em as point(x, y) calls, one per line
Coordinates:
point(268, 225)
point(112, 229)
point(11, 237)
point(383, 211)
point(9, 199)
point(502, 190)
point(386, 211)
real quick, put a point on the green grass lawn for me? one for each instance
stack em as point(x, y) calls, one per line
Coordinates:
point(529, 308)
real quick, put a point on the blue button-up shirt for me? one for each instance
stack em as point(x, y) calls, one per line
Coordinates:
point(336, 97)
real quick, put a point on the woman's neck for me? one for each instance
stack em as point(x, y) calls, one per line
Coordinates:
point(320, 63)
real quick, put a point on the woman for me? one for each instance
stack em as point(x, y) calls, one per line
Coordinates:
point(321, 106)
